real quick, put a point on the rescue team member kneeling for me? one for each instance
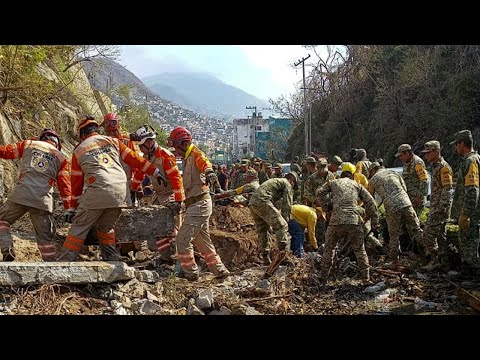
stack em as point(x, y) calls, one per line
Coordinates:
point(41, 166)
point(98, 160)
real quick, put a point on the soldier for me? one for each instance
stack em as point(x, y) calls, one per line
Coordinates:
point(169, 194)
point(347, 219)
point(278, 171)
point(466, 199)
point(440, 205)
point(197, 174)
point(334, 165)
point(317, 179)
point(363, 164)
point(295, 167)
point(42, 165)
point(265, 213)
point(98, 159)
point(311, 167)
point(238, 178)
point(242, 193)
point(398, 207)
point(268, 173)
point(415, 177)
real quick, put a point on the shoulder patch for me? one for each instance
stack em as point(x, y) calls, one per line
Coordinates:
point(446, 176)
point(471, 179)
point(421, 172)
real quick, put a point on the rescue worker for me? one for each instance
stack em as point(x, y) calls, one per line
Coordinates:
point(97, 160)
point(268, 173)
point(317, 179)
point(415, 176)
point(42, 165)
point(238, 178)
point(440, 206)
point(466, 200)
point(311, 167)
point(266, 215)
point(197, 174)
point(277, 171)
point(398, 207)
point(342, 196)
point(111, 125)
point(302, 217)
point(169, 193)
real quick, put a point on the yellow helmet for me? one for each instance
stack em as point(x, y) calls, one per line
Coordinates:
point(348, 166)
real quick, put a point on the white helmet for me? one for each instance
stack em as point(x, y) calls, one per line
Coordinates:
point(145, 132)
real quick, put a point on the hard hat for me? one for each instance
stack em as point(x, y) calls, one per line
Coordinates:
point(348, 166)
point(111, 121)
point(50, 134)
point(178, 135)
point(84, 122)
point(145, 132)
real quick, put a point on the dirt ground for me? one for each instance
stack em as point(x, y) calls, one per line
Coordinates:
point(294, 289)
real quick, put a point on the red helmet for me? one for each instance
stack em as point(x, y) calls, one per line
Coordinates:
point(50, 134)
point(84, 121)
point(111, 121)
point(178, 135)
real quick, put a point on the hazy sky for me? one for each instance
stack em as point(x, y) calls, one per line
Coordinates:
point(261, 70)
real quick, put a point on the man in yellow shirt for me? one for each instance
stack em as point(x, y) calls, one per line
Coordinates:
point(302, 217)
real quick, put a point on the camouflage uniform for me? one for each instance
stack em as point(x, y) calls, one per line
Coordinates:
point(346, 221)
point(238, 179)
point(466, 198)
point(314, 182)
point(440, 204)
point(416, 179)
point(265, 214)
point(398, 208)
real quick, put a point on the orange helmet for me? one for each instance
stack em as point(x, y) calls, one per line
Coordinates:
point(50, 134)
point(178, 135)
point(111, 121)
point(84, 121)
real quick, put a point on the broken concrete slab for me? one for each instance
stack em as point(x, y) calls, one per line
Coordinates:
point(143, 223)
point(19, 274)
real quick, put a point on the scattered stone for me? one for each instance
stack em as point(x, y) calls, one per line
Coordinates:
point(148, 307)
point(193, 309)
point(205, 299)
point(263, 284)
point(223, 311)
point(147, 276)
point(140, 256)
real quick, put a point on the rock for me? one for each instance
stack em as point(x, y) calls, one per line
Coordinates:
point(18, 274)
point(140, 256)
point(223, 311)
point(263, 284)
point(205, 299)
point(150, 308)
point(147, 276)
point(152, 297)
point(194, 310)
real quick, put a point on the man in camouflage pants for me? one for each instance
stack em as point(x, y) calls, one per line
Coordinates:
point(415, 177)
point(466, 198)
point(346, 221)
point(313, 183)
point(440, 204)
point(398, 207)
point(266, 215)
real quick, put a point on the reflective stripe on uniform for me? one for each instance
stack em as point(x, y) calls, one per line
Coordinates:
point(106, 238)
point(73, 243)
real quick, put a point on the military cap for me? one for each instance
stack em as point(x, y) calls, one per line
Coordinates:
point(245, 162)
point(296, 158)
point(278, 165)
point(462, 135)
point(251, 172)
point(431, 145)
point(322, 162)
point(268, 166)
point(361, 153)
point(402, 148)
point(337, 160)
point(257, 163)
point(310, 159)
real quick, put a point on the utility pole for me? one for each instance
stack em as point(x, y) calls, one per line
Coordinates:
point(254, 120)
point(308, 135)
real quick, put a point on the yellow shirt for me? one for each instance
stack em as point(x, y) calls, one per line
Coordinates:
point(307, 218)
point(362, 180)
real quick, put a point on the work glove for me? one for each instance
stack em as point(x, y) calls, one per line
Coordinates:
point(135, 137)
point(464, 222)
point(160, 178)
point(211, 178)
point(175, 207)
point(69, 214)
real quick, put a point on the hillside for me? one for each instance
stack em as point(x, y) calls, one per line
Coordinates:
point(203, 93)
